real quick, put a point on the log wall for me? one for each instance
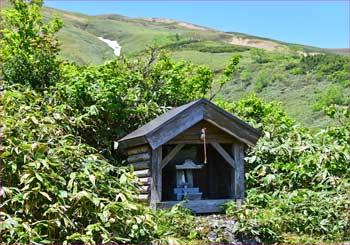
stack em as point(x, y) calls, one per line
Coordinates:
point(139, 158)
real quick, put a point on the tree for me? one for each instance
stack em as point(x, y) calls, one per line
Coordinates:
point(29, 47)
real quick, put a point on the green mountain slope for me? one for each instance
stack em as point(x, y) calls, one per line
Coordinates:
point(279, 71)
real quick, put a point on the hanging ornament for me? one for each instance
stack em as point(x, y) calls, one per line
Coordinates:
point(203, 137)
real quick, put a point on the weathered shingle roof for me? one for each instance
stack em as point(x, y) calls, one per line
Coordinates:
point(157, 122)
point(173, 122)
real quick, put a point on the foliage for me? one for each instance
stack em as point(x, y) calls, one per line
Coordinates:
point(53, 184)
point(259, 56)
point(119, 96)
point(56, 187)
point(28, 45)
point(59, 121)
point(333, 94)
point(213, 47)
point(261, 81)
point(335, 67)
point(79, 44)
point(297, 179)
point(300, 216)
point(268, 117)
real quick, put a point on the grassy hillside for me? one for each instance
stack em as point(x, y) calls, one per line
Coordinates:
point(279, 72)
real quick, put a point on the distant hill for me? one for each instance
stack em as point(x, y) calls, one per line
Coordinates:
point(281, 71)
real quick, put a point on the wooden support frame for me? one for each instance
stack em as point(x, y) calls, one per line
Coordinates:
point(238, 153)
point(171, 155)
point(156, 177)
point(224, 154)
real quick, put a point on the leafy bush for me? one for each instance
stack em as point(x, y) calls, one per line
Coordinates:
point(297, 179)
point(325, 65)
point(259, 56)
point(119, 96)
point(261, 81)
point(300, 216)
point(29, 48)
point(56, 187)
point(333, 94)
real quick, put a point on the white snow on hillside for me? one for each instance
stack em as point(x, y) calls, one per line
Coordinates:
point(113, 44)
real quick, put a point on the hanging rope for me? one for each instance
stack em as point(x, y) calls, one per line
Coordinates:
point(203, 137)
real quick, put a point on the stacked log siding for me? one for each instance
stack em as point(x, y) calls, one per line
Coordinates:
point(139, 160)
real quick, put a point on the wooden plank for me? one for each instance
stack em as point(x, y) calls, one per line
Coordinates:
point(139, 157)
point(197, 206)
point(140, 165)
point(138, 150)
point(230, 126)
point(132, 142)
point(213, 133)
point(142, 173)
point(171, 155)
point(144, 189)
point(238, 150)
point(223, 153)
point(145, 180)
point(199, 142)
point(156, 177)
point(175, 126)
point(142, 197)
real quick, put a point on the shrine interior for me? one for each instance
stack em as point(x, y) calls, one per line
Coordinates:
point(214, 178)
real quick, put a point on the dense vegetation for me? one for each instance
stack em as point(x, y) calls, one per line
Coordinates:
point(298, 181)
point(62, 183)
point(302, 78)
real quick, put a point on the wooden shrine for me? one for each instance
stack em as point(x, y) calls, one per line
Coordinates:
point(194, 152)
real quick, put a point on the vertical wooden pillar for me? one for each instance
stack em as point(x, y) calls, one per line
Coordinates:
point(156, 177)
point(239, 183)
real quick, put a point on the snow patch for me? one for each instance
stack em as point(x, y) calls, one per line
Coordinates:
point(113, 44)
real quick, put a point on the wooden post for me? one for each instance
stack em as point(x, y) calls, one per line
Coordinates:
point(156, 177)
point(238, 152)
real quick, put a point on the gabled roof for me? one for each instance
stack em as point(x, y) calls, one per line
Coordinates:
point(168, 125)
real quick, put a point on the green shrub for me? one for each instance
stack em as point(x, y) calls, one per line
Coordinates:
point(333, 94)
point(261, 81)
point(300, 216)
point(119, 96)
point(298, 181)
point(259, 56)
point(29, 49)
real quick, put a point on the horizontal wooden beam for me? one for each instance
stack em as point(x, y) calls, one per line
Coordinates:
point(223, 153)
point(139, 157)
point(142, 197)
point(145, 180)
point(142, 173)
point(140, 165)
point(137, 150)
point(145, 189)
point(200, 142)
point(198, 206)
point(171, 155)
